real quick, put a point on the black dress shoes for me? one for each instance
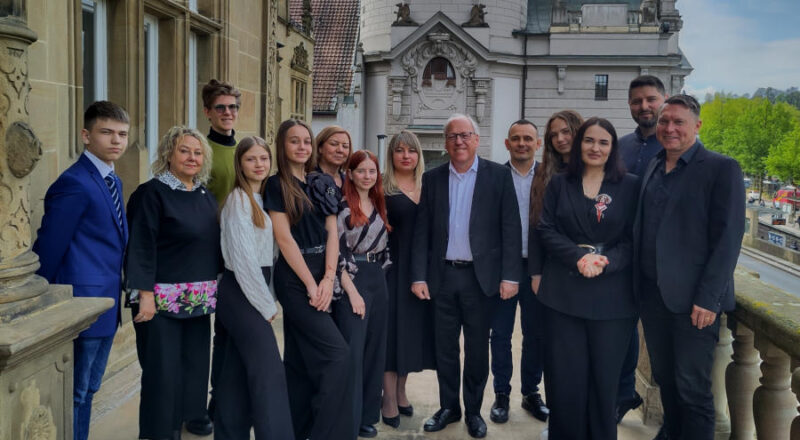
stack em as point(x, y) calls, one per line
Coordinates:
point(367, 431)
point(201, 427)
point(394, 422)
point(627, 405)
point(476, 426)
point(499, 413)
point(441, 419)
point(662, 434)
point(534, 404)
point(407, 411)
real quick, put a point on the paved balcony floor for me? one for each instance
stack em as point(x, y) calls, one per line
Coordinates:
point(117, 410)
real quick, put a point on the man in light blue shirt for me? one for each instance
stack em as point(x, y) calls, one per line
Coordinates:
point(466, 251)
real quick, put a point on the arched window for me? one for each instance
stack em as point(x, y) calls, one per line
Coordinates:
point(439, 69)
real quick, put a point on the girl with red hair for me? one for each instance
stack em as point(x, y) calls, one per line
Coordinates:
point(360, 301)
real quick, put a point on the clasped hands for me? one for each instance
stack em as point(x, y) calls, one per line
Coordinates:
point(592, 265)
point(320, 295)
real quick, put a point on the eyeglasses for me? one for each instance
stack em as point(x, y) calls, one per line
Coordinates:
point(465, 136)
point(220, 108)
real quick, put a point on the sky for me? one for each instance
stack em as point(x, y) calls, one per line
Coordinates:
point(740, 45)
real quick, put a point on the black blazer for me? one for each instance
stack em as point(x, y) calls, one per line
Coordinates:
point(700, 234)
point(494, 228)
point(564, 224)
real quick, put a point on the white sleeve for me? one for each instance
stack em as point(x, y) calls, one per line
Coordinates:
point(239, 232)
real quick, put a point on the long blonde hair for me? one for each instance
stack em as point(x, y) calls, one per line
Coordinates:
point(167, 144)
point(258, 215)
point(410, 140)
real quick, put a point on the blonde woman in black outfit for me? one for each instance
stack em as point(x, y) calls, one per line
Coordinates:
point(251, 387)
point(172, 263)
point(302, 206)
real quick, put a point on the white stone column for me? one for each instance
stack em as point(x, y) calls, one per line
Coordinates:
point(795, 432)
point(774, 405)
point(722, 356)
point(741, 380)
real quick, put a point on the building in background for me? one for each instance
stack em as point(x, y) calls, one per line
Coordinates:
point(505, 59)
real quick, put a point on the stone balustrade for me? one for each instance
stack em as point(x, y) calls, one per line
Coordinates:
point(756, 373)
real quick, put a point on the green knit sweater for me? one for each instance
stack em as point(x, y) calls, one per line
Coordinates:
point(222, 174)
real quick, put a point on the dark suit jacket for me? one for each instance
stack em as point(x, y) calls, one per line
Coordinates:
point(81, 242)
point(700, 234)
point(494, 228)
point(564, 224)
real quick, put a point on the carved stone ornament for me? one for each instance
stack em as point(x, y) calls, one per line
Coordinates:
point(562, 76)
point(477, 17)
point(300, 58)
point(37, 419)
point(23, 149)
point(439, 45)
point(404, 15)
point(648, 11)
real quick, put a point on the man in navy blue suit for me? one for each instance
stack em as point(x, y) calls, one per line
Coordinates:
point(82, 242)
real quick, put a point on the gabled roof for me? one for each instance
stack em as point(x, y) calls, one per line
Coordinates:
point(336, 36)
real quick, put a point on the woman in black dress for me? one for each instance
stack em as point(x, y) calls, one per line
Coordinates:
point(302, 206)
point(172, 263)
point(586, 229)
point(361, 314)
point(409, 345)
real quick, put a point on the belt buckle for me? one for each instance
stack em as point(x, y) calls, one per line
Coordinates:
point(371, 257)
point(590, 248)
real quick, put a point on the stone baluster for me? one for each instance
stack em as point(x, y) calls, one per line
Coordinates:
point(795, 433)
point(722, 356)
point(741, 380)
point(774, 405)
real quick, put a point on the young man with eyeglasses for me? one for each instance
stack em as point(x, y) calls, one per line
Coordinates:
point(221, 103)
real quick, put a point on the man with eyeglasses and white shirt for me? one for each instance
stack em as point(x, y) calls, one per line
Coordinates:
point(466, 251)
point(221, 103)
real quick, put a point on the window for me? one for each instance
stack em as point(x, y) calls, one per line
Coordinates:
point(151, 85)
point(193, 5)
point(94, 43)
point(601, 87)
point(191, 102)
point(439, 69)
point(298, 99)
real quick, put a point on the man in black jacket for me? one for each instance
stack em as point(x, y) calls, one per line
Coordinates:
point(466, 250)
point(687, 236)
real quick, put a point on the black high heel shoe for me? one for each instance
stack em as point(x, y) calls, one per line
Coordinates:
point(407, 411)
point(394, 422)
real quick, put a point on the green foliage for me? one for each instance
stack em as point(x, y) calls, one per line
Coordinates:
point(784, 159)
point(747, 129)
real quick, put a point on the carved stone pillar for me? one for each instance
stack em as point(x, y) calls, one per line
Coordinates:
point(741, 380)
point(397, 85)
point(38, 321)
point(481, 88)
point(722, 357)
point(774, 405)
point(562, 76)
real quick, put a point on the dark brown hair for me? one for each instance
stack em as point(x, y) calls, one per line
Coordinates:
point(104, 110)
point(614, 169)
point(295, 200)
point(216, 88)
point(552, 162)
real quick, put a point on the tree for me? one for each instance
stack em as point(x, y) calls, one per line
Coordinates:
point(784, 159)
point(719, 116)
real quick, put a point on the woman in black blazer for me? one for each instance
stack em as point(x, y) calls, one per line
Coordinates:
point(586, 230)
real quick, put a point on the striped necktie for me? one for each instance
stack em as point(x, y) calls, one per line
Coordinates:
point(112, 186)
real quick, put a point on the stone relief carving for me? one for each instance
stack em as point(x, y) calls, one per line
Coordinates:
point(37, 419)
point(272, 62)
point(439, 44)
point(477, 17)
point(307, 18)
point(648, 11)
point(300, 58)
point(23, 149)
point(562, 76)
point(397, 85)
point(481, 90)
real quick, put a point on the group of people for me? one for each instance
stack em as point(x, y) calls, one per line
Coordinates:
point(381, 270)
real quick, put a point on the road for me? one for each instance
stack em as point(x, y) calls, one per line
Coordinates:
point(772, 275)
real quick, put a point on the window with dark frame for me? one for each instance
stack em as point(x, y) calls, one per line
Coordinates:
point(298, 99)
point(601, 87)
point(439, 69)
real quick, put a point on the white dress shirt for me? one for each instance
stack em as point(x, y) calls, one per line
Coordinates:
point(246, 249)
point(103, 168)
point(522, 186)
point(462, 187)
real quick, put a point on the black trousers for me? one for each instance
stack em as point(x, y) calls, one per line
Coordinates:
point(251, 387)
point(316, 358)
point(174, 355)
point(583, 360)
point(681, 357)
point(460, 304)
point(367, 340)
